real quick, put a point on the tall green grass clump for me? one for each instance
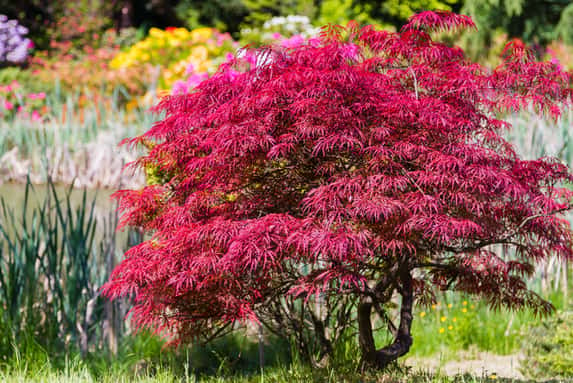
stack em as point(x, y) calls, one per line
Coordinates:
point(51, 270)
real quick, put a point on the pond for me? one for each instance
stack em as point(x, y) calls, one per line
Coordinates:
point(14, 197)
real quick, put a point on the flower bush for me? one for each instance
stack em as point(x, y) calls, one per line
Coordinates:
point(16, 102)
point(90, 71)
point(292, 30)
point(177, 52)
point(288, 32)
point(14, 47)
point(561, 54)
point(79, 27)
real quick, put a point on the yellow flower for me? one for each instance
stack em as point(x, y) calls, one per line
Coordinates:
point(433, 307)
point(442, 330)
point(201, 34)
point(454, 319)
point(182, 34)
point(465, 303)
point(163, 92)
point(493, 376)
point(200, 52)
point(472, 307)
point(450, 327)
point(443, 319)
point(464, 310)
point(449, 305)
point(155, 32)
point(423, 314)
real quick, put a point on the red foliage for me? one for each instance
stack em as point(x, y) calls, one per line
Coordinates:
point(367, 165)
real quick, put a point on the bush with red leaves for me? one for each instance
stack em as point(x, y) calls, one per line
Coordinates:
point(367, 165)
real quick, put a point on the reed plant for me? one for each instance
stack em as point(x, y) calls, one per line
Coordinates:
point(51, 270)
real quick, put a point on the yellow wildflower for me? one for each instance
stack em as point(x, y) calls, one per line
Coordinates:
point(464, 310)
point(442, 330)
point(443, 319)
point(450, 327)
point(465, 303)
point(423, 314)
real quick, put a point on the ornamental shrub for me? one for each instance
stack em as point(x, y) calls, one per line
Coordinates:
point(176, 52)
point(367, 166)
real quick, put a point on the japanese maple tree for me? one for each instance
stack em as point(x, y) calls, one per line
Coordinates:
point(368, 164)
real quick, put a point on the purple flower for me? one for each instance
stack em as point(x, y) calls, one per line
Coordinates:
point(13, 45)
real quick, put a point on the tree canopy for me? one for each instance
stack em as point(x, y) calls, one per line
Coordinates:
point(365, 164)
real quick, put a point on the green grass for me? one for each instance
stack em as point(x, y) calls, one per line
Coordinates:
point(76, 371)
point(460, 324)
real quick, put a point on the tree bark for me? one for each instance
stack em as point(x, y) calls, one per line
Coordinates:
point(381, 358)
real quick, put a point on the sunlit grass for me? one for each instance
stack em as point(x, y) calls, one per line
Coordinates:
point(453, 325)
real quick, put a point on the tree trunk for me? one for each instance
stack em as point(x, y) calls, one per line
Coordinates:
point(380, 359)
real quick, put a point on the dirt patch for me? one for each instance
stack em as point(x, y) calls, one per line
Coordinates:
point(481, 364)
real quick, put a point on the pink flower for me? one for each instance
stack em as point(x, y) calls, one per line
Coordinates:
point(555, 61)
point(277, 36)
point(8, 105)
point(350, 51)
point(190, 69)
point(37, 96)
point(179, 87)
point(293, 42)
point(222, 38)
point(195, 79)
point(314, 42)
point(250, 58)
point(36, 116)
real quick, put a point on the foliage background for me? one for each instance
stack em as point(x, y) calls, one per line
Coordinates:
point(66, 109)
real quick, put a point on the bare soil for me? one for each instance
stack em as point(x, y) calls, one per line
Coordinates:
point(480, 364)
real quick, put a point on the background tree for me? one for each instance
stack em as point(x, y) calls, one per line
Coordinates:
point(263, 10)
point(225, 15)
point(397, 12)
point(369, 165)
point(533, 21)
